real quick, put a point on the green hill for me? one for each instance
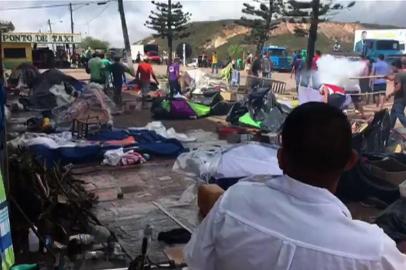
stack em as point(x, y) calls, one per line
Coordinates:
point(208, 36)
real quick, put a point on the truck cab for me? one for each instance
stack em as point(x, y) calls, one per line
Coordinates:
point(391, 49)
point(279, 56)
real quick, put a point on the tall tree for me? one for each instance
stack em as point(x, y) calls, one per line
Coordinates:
point(313, 11)
point(168, 21)
point(94, 43)
point(262, 17)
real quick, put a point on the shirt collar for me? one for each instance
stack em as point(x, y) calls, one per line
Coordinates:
point(307, 192)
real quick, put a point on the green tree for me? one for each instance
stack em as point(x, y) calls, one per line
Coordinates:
point(6, 26)
point(312, 11)
point(94, 43)
point(235, 51)
point(169, 22)
point(261, 18)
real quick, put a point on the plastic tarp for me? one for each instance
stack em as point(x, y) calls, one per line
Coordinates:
point(237, 161)
point(248, 160)
point(200, 109)
point(247, 120)
point(393, 220)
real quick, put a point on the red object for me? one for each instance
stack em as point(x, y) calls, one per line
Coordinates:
point(334, 89)
point(145, 70)
point(153, 56)
point(314, 62)
point(225, 132)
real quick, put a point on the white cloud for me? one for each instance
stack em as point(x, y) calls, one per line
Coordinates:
point(104, 21)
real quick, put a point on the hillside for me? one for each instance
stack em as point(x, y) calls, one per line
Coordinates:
point(219, 35)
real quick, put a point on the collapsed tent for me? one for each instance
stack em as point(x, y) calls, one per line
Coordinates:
point(23, 76)
point(259, 110)
point(92, 106)
point(43, 95)
point(225, 166)
point(209, 102)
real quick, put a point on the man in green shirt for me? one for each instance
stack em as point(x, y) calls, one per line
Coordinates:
point(96, 69)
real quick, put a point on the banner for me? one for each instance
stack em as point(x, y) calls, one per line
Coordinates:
point(42, 38)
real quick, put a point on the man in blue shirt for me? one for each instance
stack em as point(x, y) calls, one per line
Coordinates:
point(382, 69)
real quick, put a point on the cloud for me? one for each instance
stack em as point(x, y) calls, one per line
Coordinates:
point(103, 21)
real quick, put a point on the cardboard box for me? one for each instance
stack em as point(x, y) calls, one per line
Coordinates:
point(229, 96)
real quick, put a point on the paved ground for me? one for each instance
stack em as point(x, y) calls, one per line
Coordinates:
point(126, 217)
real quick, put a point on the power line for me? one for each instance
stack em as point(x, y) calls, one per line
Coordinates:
point(98, 15)
point(52, 6)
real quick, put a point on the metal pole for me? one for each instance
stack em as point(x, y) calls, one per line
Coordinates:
point(124, 27)
point(1, 57)
point(72, 26)
point(50, 31)
point(50, 27)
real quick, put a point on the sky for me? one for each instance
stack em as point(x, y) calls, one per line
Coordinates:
point(103, 21)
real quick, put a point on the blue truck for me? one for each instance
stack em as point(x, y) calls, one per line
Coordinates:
point(391, 49)
point(279, 56)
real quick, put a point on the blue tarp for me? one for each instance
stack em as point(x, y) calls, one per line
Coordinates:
point(146, 142)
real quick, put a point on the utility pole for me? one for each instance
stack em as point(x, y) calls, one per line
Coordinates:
point(71, 25)
point(50, 27)
point(1, 58)
point(124, 26)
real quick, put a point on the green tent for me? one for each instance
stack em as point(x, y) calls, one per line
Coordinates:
point(200, 109)
point(247, 120)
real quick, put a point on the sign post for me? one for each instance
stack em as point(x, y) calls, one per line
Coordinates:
point(42, 38)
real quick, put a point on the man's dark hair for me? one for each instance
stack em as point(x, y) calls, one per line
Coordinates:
point(397, 64)
point(116, 58)
point(381, 57)
point(317, 138)
point(364, 32)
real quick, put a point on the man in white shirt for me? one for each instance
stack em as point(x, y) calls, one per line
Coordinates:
point(295, 222)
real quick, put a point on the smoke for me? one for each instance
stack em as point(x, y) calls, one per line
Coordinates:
point(338, 71)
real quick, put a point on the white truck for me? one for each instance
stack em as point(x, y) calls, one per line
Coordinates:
point(382, 34)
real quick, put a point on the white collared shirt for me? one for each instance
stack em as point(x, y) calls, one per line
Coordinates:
point(285, 224)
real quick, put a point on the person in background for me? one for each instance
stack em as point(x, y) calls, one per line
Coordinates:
point(294, 57)
point(143, 75)
point(118, 71)
point(333, 95)
point(361, 46)
point(364, 83)
point(399, 94)
point(96, 67)
point(297, 68)
point(173, 77)
point(214, 64)
point(256, 66)
point(138, 59)
point(106, 63)
point(380, 68)
point(316, 58)
point(307, 227)
point(266, 66)
point(239, 64)
point(248, 63)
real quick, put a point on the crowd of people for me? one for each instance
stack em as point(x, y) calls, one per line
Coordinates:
point(112, 74)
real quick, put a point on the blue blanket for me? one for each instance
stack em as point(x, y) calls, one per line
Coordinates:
point(146, 142)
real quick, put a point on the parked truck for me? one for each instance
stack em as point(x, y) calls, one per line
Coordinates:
point(279, 56)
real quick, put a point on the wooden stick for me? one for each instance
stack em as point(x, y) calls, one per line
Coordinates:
point(368, 77)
